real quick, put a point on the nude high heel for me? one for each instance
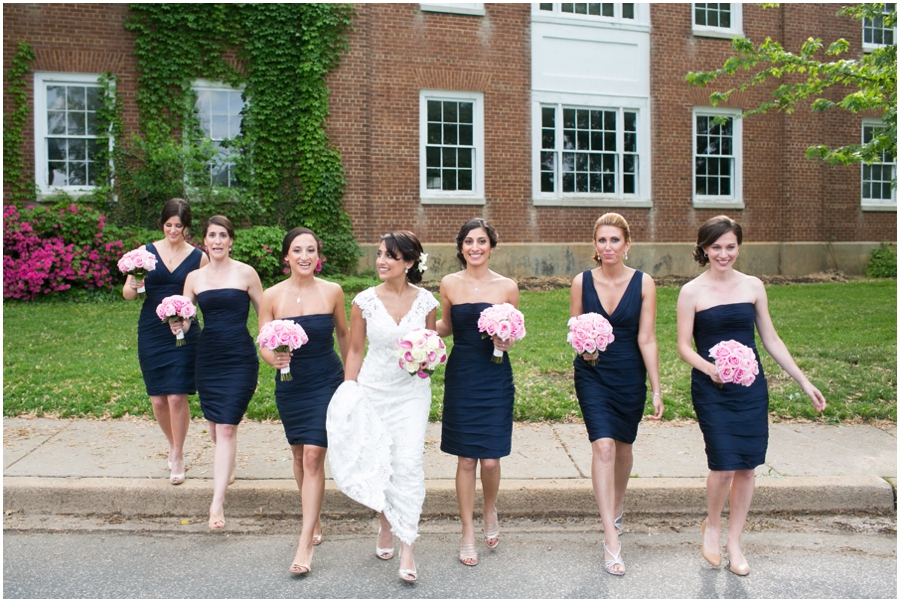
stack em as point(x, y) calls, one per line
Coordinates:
point(713, 559)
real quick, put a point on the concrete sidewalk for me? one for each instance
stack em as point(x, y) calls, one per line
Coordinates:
point(109, 467)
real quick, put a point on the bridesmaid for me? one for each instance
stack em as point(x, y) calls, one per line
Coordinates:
point(612, 394)
point(718, 305)
point(227, 364)
point(168, 370)
point(318, 306)
point(478, 394)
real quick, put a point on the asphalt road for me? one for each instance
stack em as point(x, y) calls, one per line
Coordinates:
point(790, 557)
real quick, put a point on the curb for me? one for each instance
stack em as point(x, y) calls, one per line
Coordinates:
point(537, 497)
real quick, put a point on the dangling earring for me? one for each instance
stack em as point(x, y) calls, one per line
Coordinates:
point(626, 255)
point(407, 270)
point(597, 257)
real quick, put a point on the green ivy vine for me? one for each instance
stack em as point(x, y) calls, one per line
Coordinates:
point(279, 55)
point(21, 189)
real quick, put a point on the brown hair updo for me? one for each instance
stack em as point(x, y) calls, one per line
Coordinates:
point(176, 208)
point(610, 219)
point(711, 231)
point(404, 245)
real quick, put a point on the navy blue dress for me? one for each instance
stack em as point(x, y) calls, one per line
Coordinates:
point(227, 364)
point(612, 393)
point(478, 394)
point(317, 372)
point(734, 419)
point(167, 369)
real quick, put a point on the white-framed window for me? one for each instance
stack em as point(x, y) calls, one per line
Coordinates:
point(457, 8)
point(717, 164)
point(219, 109)
point(451, 147)
point(877, 192)
point(66, 136)
point(717, 20)
point(876, 34)
point(608, 11)
point(589, 153)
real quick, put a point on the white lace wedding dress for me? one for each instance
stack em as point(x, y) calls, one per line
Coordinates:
point(376, 425)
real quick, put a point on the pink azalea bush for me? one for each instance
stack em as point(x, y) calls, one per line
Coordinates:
point(421, 351)
point(176, 308)
point(50, 250)
point(589, 333)
point(504, 321)
point(735, 363)
point(282, 336)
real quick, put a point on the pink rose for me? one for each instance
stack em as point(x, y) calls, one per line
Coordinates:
point(726, 374)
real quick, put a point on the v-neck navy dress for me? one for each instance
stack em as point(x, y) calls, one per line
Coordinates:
point(612, 393)
point(167, 368)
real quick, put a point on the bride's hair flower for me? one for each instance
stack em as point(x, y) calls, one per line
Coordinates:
point(423, 257)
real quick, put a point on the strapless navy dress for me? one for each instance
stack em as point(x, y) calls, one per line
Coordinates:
point(227, 364)
point(317, 372)
point(612, 393)
point(478, 394)
point(734, 420)
point(167, 369)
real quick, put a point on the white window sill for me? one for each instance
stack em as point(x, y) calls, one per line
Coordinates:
point(447, 200)
point(710, 204)
point(455, 10)
point(879, 207)
point(575, 201)
point(716, 32)
point(74, 193)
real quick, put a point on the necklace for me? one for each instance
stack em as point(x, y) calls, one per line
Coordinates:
point(173, 257)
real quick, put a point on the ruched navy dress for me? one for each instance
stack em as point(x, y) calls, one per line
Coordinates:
point(227, 364)
point(317, 372)
point(478, 394)
point(734, 419)
point(612, 393)
point(167, 368)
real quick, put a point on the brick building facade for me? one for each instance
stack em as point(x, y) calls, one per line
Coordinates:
point(494, 57)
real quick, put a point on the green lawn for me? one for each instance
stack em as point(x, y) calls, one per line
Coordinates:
point(63, 359)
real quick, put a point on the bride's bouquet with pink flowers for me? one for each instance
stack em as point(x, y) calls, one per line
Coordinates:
point(735, 363)
point(137, 263)
point(504, 321)
point(176, 309)
point(282, 336)
point(589, 333)
point(421, 351)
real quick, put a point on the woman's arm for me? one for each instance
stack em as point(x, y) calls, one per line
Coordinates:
point(647, 343)
point(266, 314)
point(341, 330)
point(189, 283)
point(686, 304)
point(776, 347)
point(444, 326)
point(254, 286)
point(431, 319)
point(357, 343)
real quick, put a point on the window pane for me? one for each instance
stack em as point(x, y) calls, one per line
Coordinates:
point(628, 10)
point(609, 120)
point(234, 126)
point(465, 135)
point(597, 141)
point(92, 173)
point(568, 118)
point(702, 145)
point(628, 163)
point(465, 179)
point(582, 119)
point(568, 139)
point(546, 6)
point(93, 98)
point(450, 132)
point(219, 102)
point(568, 182)
point(448, 156)
point(77, 174)
point(630, 143)
point(596, 120)
point(448, 179)
point(464, 157)
point(595, 162)
point(583, 139)
point(609, 141)
point(567, 7)
point(725, 186)
point(547, 184)
point(75, 124)
point(609, 163)
point(548, 117)
point(235, 102)
point(594, 8)
point(434, 110)
point(92, 124)
point(465, 112)
point(630, 120)
point(434, 133)
point(433, 179)
point(608, 9)
point(700, 184)
point(699, 15)
point(432, 156)
point(75, 98)
point(628, 184)
point(581, 182)
point(596, 182)
point(548, 139)
point(57, 174)
point(450, 112)
point(56, 149)
point(77, 150)
point(95, 149)
point(568, 162)
point(56, 98)
point(548, 161)
point(581, 161)
point(700, 166)
point(219, 129)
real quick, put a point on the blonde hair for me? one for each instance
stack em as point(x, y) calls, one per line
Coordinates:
point(611, 219)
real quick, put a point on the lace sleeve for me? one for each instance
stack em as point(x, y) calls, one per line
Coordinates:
point(366, 302)
point(424, 303)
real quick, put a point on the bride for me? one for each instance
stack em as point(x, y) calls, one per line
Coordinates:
point(377, 417)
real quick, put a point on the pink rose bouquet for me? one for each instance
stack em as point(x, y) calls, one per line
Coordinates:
point(282, 336)
point(589, 333)
point(176, 309)
point(420, 352)
point(502, 320)
point(137, 263)
point(735, 363)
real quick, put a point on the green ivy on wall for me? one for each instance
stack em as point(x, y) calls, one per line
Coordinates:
point(279, 54)
point(21, 189)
